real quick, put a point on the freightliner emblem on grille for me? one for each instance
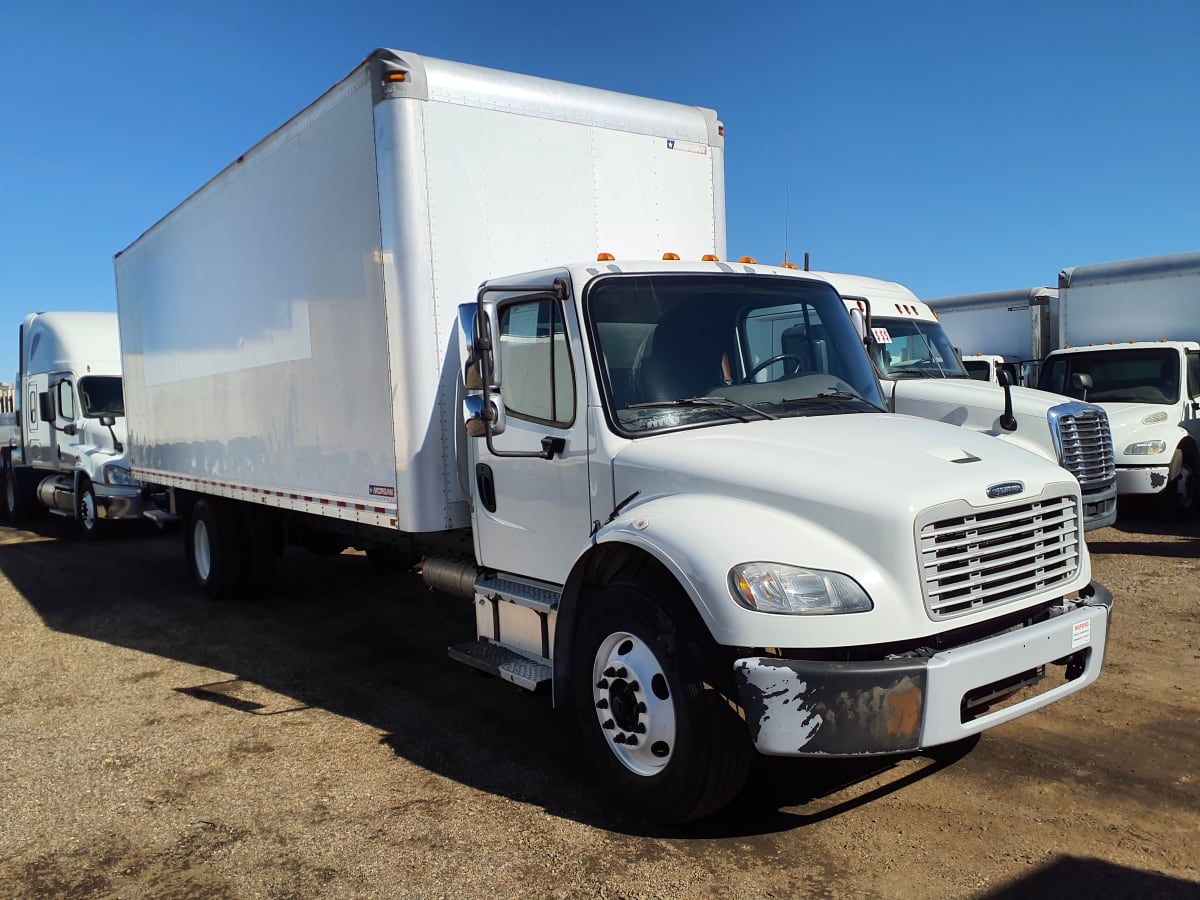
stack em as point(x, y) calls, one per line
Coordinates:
point(1005, 489)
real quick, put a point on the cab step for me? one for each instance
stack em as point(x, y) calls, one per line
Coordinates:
point(521, 669)
point(535, 595)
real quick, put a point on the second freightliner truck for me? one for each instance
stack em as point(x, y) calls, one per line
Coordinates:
point(701, 550)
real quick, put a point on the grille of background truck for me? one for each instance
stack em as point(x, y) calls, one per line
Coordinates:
point(972, 559)
point(1086, 448)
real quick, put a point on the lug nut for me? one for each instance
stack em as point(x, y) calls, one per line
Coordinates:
point(621, 673)
point(609, 724)
point(602, 704)
point(620, 738)
point(602, 684)
point(634, 686)
point(610, 672)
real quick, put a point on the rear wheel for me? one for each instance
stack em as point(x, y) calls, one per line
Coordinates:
point(666, 739)
point(214, 546)
point(1181, 497)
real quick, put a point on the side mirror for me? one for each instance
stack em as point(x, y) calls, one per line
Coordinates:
point(860, 323)
point(70, 429)
point(475, 419)
point(1004, 377)
point(1081, 382)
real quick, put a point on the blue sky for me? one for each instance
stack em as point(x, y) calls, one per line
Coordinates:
point(956, 147)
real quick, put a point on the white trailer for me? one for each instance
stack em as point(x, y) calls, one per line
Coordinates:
point(923, 376)
point(66, 448)
point(699, 554)
point(1012, 326)
point(1124, 336)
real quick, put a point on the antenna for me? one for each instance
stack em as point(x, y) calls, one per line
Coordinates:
point(787, 193)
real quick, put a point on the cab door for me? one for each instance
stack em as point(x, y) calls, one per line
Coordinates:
point(532, 510)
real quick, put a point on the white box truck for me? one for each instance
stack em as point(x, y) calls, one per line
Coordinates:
point(700, 556)
point(1126, 337)
point(66, 451)
point(1012, 327)
point(923, 376)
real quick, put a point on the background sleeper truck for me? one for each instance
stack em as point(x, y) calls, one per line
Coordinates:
point(923, 376)
point(699, 553)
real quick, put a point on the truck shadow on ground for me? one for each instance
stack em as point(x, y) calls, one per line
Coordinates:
point(331, 635)
point(1138, 516)
point(1070, 877)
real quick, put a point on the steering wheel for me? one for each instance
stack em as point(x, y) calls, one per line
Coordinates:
point(771, 361)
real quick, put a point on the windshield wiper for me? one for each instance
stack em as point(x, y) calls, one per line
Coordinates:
point(723, 404)
point(835, 395)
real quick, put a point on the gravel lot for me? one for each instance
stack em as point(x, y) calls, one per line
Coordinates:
point(319, 743)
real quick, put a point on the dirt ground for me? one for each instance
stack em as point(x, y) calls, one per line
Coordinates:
point(319, 743)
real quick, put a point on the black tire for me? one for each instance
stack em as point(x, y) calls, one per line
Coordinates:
point(18, 493)
point(664, 737)
point(1180, 499)
point(214, 545)
point(91, 526)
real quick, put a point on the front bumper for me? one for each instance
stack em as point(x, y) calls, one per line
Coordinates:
point(1100, 508)
point(822, 708)
point(118, 502)
point(1142, 479)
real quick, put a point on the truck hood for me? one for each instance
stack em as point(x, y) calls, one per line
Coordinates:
point(976, 405)
point(841, 493)
point(889, 466)
point(1129, 425)
point(96, 443)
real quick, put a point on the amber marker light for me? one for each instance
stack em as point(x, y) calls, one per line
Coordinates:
point(748, 259)
point(397, 76)
point(710, 257)
point(787, 265)
point(670, 256)
point(604, 257)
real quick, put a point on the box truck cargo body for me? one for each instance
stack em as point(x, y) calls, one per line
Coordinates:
point(701, 550)
point(1124, 336)
point(1014, 326)
point(922, 375)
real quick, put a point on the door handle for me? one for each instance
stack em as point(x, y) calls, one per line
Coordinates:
point(485, 483)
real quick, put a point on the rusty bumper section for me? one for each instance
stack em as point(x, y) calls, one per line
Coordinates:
point(797, 707)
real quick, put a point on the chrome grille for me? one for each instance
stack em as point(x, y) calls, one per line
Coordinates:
point(1084, 442)
point(972, 559)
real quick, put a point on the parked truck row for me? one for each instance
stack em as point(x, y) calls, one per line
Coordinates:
point(486, 321)
point(1123, 336)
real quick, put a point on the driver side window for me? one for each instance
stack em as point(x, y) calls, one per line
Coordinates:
point(539, 383)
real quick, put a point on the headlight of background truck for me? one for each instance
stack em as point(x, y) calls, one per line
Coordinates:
point(791, 590)
point(118, 475)
point(1146, 448)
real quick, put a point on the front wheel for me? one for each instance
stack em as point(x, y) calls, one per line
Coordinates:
point(89, 521)
point(1181, 496)
point(662, 734)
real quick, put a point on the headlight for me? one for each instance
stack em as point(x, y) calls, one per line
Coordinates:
point(776, 588)
point(1146, 448)
point(118, 475)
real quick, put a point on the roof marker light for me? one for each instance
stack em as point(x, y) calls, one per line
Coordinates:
point(604, 257)
point(670, 256)
point(710, 257)
point(787, 265)
point(748, 259)
point(397, 76)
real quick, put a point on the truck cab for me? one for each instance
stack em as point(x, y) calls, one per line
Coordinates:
point(696, 521)
point(922, 375)
point(68, 453)
point(1151, 393)
point(988, 367)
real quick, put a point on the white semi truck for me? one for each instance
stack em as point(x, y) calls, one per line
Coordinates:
point(923, 376)
point(1126, 337)
point(67, 449)
point(700, 555)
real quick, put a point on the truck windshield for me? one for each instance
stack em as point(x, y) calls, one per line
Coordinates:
point(1118, 376)
point(101, 395)
point(906, 348)
point(692, 350)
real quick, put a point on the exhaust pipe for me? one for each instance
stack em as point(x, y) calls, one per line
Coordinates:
point(451, 576)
